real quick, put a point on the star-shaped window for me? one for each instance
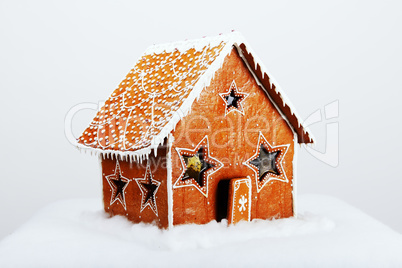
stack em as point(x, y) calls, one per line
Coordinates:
point(267, 162)
point(118, 184)
point(197, 166)
point(233, 99)
point(148, 187)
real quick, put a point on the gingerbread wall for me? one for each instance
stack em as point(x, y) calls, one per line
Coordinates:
point(136, 208)
point(233, 139)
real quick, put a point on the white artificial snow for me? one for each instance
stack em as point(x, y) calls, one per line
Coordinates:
point(327, 233)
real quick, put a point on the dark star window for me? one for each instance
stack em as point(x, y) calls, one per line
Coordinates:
point(266, 162)
point(232, 100)
point(150, 189)
point(120, 184)
point(196, 166)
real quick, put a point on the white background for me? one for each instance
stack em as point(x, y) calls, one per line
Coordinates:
point(54, 55)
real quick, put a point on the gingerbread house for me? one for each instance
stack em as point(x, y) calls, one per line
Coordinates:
point(197, 131)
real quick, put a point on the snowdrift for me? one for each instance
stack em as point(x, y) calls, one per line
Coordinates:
point(327, 233)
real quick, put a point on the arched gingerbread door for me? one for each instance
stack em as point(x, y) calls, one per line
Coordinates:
point(239, 203)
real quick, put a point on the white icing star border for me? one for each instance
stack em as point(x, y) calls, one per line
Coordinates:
point(271, 177)
point(117, 170)
point(143, 193)
point(232, 109)
point(209, 172)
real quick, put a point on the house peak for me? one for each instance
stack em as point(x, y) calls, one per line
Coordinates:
point(197, 44)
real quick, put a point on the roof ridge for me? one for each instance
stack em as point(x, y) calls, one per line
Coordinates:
point(197, 44)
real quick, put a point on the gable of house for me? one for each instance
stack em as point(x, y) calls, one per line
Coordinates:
point(231, 138)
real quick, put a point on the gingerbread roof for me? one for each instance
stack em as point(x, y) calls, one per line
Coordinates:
point(160, 90)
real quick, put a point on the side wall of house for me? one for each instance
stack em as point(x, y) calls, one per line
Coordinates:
point(136, 209)
point(233, 139)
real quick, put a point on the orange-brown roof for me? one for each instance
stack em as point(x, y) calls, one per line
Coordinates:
point(156, 93)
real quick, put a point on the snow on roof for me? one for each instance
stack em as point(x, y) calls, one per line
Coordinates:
point(157, 93)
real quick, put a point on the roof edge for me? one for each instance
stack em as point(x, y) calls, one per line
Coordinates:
point(272, 88)
point(132, 156)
